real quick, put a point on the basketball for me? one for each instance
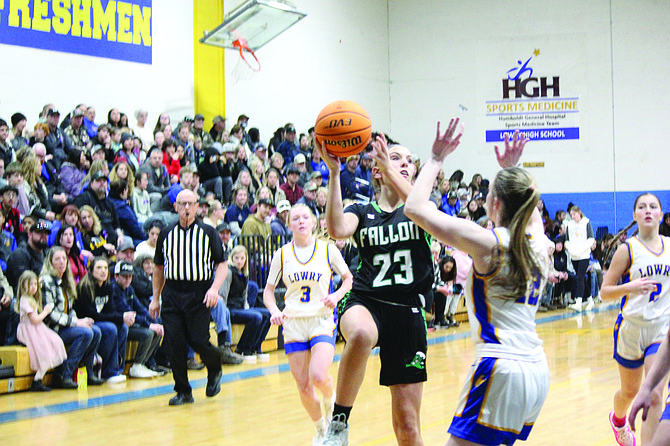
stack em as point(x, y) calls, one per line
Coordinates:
point(343, 128)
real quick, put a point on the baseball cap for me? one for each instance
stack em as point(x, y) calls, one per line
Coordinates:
point(42, 225)
point(9, 188)
point(123, 267)
point(479, 196)
point(299, 158)
point(99, 175)
point(290, 129)
point(127, 243)
point(316, 174)
point(53, 111)
point(283, 205)
point(198, 116)
point(265, 201)
point(310, 187)
point(76, 112)
point(223, 227)
point(218, 118)
point(95, 148)
point(243, 117)
point(229, 147)
point(203, 201)
point(452, 194)
point(352, 157)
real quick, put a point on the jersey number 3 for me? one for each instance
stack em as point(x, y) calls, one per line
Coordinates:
point(306, 291)
point(404, 258)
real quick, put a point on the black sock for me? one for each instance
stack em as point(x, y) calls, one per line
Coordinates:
point(221, 338)
point(341, 413)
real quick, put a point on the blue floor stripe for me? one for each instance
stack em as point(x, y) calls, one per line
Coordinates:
point(72, 406)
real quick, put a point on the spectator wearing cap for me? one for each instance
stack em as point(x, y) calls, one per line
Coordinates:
point(57, 142)
point(279, 225)
point(19, 139)
point(291, 188)
point(225, 234)
point(319, 165)
point(238, 212)
point(317, 178)
point(144, 329)
point(352, 186)
point(128, 222)
point(6, 150)
point(95, 196)
point(89, 122)
point(218, 129)
point(76, 130)
point(309, 198)
point(289, 145)
point(159, 178)
point(29, 257)
point(198, 130)
point(256, 223)
point(300, 163)
point(9, 196)
point(450, 204)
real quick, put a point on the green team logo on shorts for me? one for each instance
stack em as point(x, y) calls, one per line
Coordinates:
point(419, 361)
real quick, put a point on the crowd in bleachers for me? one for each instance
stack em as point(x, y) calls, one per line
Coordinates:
point(102, 192)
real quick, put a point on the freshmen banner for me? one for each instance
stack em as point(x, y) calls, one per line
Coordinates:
point(100, 28)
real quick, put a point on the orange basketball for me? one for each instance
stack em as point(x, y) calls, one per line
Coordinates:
point(343, 128)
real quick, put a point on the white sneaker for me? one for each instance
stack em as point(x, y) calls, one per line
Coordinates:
point(263, 357)
point(337, 435)
point(589, 304)
point(250, 359)
point(320, 433)
point(623, 435)
point(116, 379)
point(141, 371)
point(577, 306)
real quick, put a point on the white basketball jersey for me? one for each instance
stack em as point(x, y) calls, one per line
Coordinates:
point(309, 281)
point(650, 307)
point(500, 327)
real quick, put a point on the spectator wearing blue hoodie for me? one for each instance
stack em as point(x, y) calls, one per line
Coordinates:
point(450, 204)
point(118, 194)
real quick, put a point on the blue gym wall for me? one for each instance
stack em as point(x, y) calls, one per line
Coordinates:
point(614, 210)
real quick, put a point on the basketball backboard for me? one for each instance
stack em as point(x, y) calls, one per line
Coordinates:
point(255, 21)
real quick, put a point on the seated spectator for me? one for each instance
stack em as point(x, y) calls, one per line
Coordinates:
point(277, 162)
point(118, 195)
point(76, 131)
point(263, 192)
point(95, 196)
point(6, 150)
point(7, 244)
point(140, 200)
point(125, 154)
point(318, 165)
point(291, 189)
point(237, 291)
point(215, 214)
point(144, 329)
point(238, 212)
point(300, 163)
point(19, 131)
point(225, 235)
point(212, 172)
point(95, 240)
point(37, 198)
point(8, 317)
point(148, 247)
point(279, 224)
point(82, 337)
point(73, 172)
point(321, 200)
point(70, 216)
point(95, 301)
point(122, 171)
point(309, 198)
point(159, 178)
point(256, 223)
point(186, 175)
point(450, 204)
point(29, 257)
point(98, 165)
point(174, 159)
point(9, 195)
point(65, 238)
point(244, 180)
point(272, 177)
point(289, 144)
point(354, 187)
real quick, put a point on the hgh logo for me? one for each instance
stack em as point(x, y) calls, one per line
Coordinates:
point(530, 87)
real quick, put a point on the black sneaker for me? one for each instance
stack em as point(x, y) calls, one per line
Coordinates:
point(95, 381)
point(180, 399)
point(58, 382)
point(158, 369)
point(39, 386)
point(214, 384)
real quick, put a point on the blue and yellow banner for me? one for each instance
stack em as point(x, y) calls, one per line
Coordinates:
point(101, 28)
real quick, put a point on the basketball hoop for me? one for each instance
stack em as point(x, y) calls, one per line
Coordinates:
point(245, 69)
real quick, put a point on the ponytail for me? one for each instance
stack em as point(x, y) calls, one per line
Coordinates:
point(519, 195)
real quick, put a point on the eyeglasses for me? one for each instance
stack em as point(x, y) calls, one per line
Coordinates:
point(184, 204)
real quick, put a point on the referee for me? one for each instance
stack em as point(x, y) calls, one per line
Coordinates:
point(190, 268)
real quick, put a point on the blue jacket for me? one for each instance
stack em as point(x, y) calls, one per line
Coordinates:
point(128, 220)
point(126, 300)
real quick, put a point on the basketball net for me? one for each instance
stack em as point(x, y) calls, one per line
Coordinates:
point(245, 69)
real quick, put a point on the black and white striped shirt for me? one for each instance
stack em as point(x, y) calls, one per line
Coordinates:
point(189, 254)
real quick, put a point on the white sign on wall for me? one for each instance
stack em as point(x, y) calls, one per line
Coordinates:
point(535, 85)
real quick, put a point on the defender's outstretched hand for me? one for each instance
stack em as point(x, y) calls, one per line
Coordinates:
point(447, 143)
point(513, 150)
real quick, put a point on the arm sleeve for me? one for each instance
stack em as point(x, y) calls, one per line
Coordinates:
point(57, 316)
point(589, 230)
point(276, 268)
point(159, 260)
point(225, 287)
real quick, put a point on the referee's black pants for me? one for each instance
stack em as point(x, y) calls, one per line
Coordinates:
point(186, 322)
